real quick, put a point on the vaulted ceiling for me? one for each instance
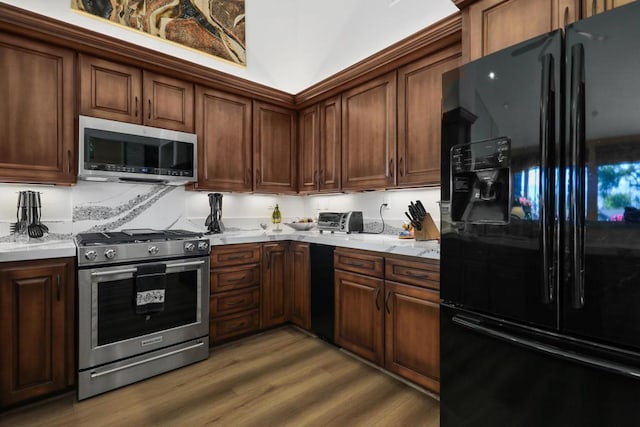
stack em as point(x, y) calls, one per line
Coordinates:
point(291, 44)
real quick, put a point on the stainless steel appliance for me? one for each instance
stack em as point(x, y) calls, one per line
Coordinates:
point(540, 313)
point(214, 220)
point(126, 152)
point(143, 305)
point(348, 222)
point(322, 291)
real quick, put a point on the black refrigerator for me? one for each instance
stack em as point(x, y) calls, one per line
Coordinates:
point(540, 226)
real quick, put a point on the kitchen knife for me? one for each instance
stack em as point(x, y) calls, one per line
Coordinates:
point(421, 208)
point(415, 216)
point(413, 223)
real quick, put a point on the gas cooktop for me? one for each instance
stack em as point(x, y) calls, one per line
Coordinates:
point(134, 236)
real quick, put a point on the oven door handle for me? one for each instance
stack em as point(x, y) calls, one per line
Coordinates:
point(185, 264)
point(114, 272)
point(140, 362)
point(133, 270)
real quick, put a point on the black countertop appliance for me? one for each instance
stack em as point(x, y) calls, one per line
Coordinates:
point(540, 252)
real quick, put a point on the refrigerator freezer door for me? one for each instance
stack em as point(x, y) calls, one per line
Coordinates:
point(502, 265)
point(491, 376)
point(602, 292)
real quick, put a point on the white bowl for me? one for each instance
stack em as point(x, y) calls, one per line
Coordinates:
point(301, 226)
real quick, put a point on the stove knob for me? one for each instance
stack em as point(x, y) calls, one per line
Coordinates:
point(110, 253)
point(203, 245)
point(153, 250)
point(91, 255)
point(189, 246)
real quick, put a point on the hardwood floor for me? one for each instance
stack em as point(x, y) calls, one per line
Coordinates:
point(279, 378)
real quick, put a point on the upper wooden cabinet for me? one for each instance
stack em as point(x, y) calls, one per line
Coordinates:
point(319, 146)
point(274, 149)
point(37, 109)
point(128, 94)
point(419, 117)
point(592, 7)
point(37, 355)
point(369, 135)
point(223, 126)
point(491, 25)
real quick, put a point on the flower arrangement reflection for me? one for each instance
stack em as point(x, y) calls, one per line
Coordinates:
point(521, 208)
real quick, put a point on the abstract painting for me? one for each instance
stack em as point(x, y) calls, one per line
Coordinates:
point(216, 27)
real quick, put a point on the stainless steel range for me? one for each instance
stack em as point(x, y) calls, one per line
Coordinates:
point(142, 305)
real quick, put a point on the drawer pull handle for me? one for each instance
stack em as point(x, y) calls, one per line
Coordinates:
point(417, 275)
point(234, 303)
point(233, 258)
point(149, 109)
point(239, 279)
point(356, 264)
point(375, 298)
point(386, 302)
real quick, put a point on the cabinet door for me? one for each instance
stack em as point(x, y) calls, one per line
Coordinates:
point(308, 149)
point(168, 102)
point(223, 125)
point(37, 109)
point(496, 24)
point(36, 322)
point(300, 285)
point(329, 175)
point(419, 117)
point(369, 135)
point(274, 149)
point(412, 334)
point(592, 7)
point(359, 315)
point(110, 91)
point(275, 293)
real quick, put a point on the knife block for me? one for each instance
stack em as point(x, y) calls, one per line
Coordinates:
point(429, 230)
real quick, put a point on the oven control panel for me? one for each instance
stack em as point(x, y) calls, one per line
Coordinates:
point(138, 251)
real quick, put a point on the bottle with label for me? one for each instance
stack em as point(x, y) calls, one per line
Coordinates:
point(276, 218)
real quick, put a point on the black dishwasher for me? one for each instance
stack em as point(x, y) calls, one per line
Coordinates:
point(322, 291)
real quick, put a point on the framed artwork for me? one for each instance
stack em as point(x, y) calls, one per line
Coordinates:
point(215, 27)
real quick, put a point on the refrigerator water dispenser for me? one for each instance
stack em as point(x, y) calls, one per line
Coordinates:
point(480, 182)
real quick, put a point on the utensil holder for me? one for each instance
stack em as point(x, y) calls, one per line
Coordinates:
point(429, 230)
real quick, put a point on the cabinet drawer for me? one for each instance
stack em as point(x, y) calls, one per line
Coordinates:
point(222, 256)
point(359, 262)
point(425, 274)
point(234, 324)
point(230, 278)
point(231, 302)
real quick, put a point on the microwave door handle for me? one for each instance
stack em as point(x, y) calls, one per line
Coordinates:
point(577, 178)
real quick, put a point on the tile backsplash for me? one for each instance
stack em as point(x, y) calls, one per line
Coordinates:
point(91, 206)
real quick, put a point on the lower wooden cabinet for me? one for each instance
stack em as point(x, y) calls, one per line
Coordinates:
point(359, 317)
point(275, 307)
point(300, 284)
point(234, 304)
point(412, 333)
point(395, 325)
point(37, 355)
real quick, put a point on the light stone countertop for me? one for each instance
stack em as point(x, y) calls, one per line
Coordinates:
point(384, 243)
point(35, 249)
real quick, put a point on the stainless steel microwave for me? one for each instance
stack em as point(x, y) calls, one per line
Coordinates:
point(126, 152)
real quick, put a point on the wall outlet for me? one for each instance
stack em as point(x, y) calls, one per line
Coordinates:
point(385, 201)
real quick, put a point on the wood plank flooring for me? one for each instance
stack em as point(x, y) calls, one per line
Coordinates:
point(282, 377)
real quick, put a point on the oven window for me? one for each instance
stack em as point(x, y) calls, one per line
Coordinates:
point(117, 318)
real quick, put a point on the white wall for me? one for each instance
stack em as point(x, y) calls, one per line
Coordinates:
point(291, 44)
